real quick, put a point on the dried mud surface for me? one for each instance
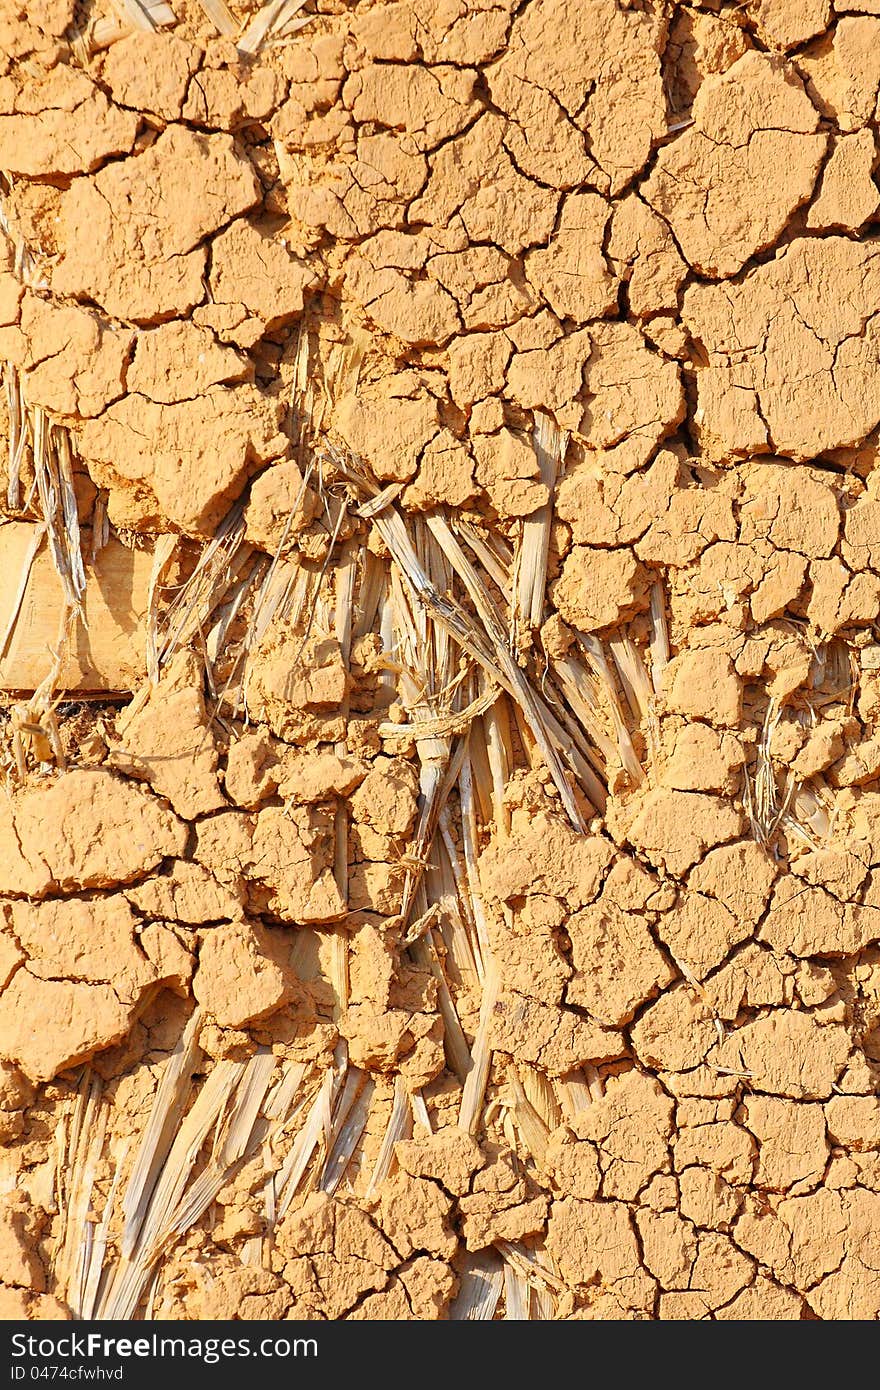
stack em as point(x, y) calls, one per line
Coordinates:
point(473, 910)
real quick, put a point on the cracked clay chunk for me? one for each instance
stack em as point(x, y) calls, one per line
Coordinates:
point(634, 398)
point(473, 178)
point(812, 922)
point(414, 1214)
point(643, 251)
point(675, 828)
point(825, 1243)
point(187, 893)
point(599, 588)
point(63, 124)
point(90, 830)
point(701, 932)
point(151, 71)
point(48, 1026)
point(847, 195)
point(291, 860)
point(386, 799)
point(540, 1034)
point(169, 743)
point(331, 1254)
point(739, 875)
point(73, 362)
point(704, 685)
point(280, 506)
point(187, 460)
point(22, 870)
point(792, 352)
point(389, 425)
point(501, 1205)
point(133, 234)
point(703, 760)
point(244, 973)
point(508, 470)
point(584, 62)
point(861, 533)
point(419, 1291)
point(631, 1128)
point(843, 67)
point(852, 1292)
point(546, 856)
point(793, 1146)
point(710, 184)
point(617, 965)
point(449, 1158)
point(179, 361)
point(854, 1121)
point(675, 1032)
point(788, 23)
point(84, 975)
point(787, 1054)
point(93, 942)
point(431, 104)
point(594, 1242)
point(793, 509)
point(571, 273)
point(419, 311)
point(258, 276)
point(19, 1258)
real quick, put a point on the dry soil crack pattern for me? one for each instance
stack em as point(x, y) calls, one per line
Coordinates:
point(440, 721)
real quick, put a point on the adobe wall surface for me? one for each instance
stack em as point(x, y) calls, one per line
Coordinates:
point(440, 834)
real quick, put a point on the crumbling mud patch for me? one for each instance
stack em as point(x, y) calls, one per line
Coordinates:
point(440, 729)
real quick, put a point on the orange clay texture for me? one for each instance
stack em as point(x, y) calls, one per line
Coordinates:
point(458, 1033)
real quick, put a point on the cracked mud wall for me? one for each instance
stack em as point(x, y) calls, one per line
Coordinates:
point(440, 833)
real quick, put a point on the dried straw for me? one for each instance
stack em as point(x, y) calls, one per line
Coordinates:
point(135, 14)
point(530, 564)
point(274, 19)
point(38, 535)
point(473, 1094)
point(155, 14)
point(53, 466)
point(220, 16)
point(399, 1127)
point(763, 807)
point(17, 442)
point(659, 636)
point(482, 1282)
point(349, 1122)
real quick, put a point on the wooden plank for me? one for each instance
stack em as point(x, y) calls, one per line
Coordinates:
point(105, 656)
